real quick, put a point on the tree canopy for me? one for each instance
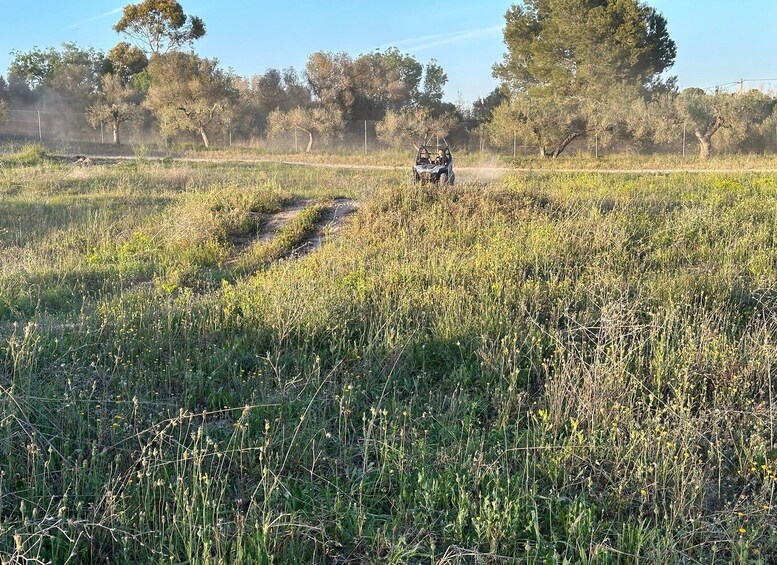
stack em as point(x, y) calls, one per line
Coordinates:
point(330, 78)
point(68, 77)
point(383, 81)
point(706, 115)
point(374, 83)
point(159, 25)
point(127, 61)
point(413, 126)
point(275, 89)
point(189, 93)
point(322, 122)
point(483, 108)
point(573, 66)
point(573, 46)
point(118, 103)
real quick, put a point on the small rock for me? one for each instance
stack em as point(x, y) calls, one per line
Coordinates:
point(83, 161)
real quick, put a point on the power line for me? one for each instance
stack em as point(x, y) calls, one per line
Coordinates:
point(740, 83)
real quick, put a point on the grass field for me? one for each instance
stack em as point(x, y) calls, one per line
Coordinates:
point(551, 367)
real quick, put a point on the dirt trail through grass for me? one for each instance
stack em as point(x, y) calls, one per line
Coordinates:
point(271, 225)
point(329, 224)
point(481, 172)
point(276, 221)
point(298, 229)
point(295, 231)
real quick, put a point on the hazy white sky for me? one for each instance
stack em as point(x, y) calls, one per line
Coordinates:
point(719, 41)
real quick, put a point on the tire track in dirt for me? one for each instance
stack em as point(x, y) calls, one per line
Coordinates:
point(329, 225)
point(334, 214)
point(240, 263)
point(271, 225)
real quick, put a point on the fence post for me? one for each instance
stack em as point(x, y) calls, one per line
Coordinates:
point(515, 145)
point(296, 148)
point(102, 133)
point(40, 129)
point(365, 136)
point(596, 144)
point(683, 140)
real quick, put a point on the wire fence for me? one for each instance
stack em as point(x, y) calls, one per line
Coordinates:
point(358, 135)
point(47, 125)
point(75, 127)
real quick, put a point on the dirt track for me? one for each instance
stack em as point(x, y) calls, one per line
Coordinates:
point(335, 213)
point(489, 171)
point(330, 224)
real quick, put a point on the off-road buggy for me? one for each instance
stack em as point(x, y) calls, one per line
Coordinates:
point(433, 164)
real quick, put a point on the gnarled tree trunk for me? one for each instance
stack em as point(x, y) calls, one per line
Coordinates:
point(540, 143)
point(705, 138)
point(705, 144)
point(564, 143)
point(309, 148)
point(545, 152)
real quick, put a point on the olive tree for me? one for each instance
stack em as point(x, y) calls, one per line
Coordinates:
point(316, 122)
point(368, 86)
point(414, 126)
point(261, 94)
point(707, 115)
point(118, 103)
point(550, 123)
point(189, 93)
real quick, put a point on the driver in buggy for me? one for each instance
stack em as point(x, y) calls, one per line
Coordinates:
point(442, 158)
point(423, 157)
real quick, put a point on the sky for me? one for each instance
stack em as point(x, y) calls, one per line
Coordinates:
point(719, 42)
